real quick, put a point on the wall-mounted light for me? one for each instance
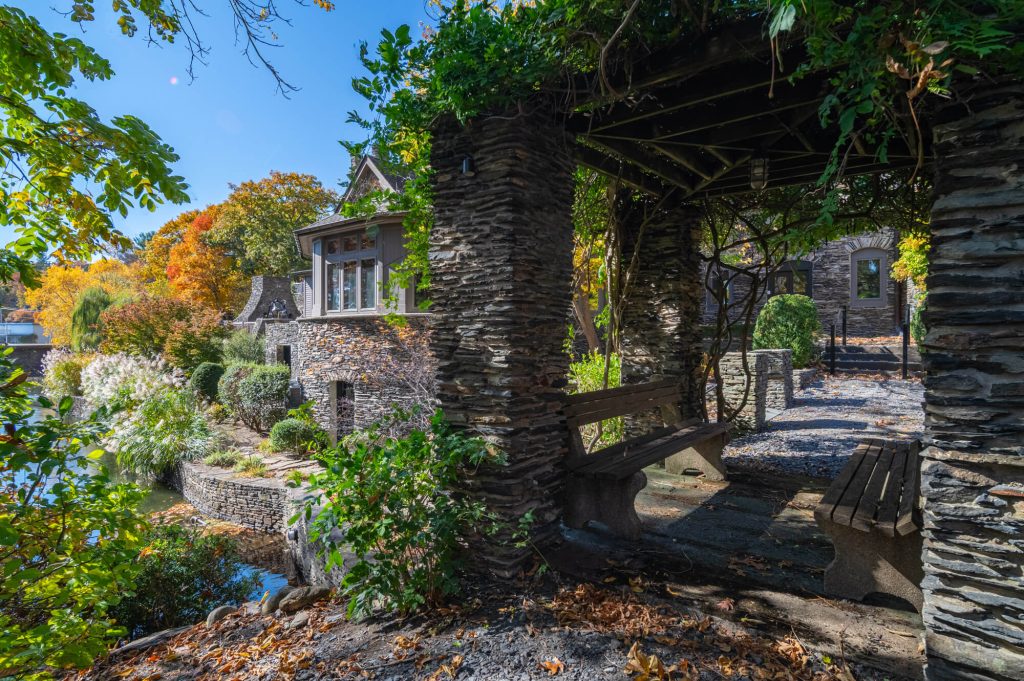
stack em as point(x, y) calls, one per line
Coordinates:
point(758, 172)
point(468, 166)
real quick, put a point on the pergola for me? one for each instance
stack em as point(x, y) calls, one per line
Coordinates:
point(690, 121)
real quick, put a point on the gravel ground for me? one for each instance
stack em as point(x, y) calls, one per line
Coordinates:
point(815, 437)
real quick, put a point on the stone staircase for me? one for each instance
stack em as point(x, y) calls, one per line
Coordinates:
point(873, 359)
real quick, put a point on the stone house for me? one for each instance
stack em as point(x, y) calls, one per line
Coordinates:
point(356, 342)
point(852, 273)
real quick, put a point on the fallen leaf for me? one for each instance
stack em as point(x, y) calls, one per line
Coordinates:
point(553, 666)
point(726, 605)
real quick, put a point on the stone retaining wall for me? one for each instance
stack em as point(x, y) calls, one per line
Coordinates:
point(29, 356)
point(257, 503)
point(735, 390)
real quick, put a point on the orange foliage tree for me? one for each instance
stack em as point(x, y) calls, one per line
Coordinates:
point(203, 273)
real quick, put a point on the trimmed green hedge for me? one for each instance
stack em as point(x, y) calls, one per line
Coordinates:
point(205, 378)
point(256, 394)
point(788, 321)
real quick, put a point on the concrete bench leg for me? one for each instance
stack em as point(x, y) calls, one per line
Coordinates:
point(705, 457)
point(870, 562)
point(611, 502)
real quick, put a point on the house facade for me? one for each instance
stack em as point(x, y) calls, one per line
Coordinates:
point(853, 272)
point(358, 345)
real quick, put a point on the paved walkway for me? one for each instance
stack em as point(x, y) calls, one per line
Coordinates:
point(815, 437)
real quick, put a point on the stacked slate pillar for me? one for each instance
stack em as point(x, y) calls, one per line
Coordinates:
point(661, 336)
point(973, 473)
point(501, 268)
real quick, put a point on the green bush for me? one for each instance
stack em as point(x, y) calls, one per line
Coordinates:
point(256, 394)
point(251, 466)
point(242, 347)
point(86, 330)
point(69, 536)
point(587, 375)
point(406, 549)
point(290, 435)
point(205, 378)
point(788, 321)
point(223, 458)
point(183, 575)
point(167, 427)
point(917, 327)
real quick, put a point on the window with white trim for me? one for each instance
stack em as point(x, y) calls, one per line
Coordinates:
point(868, 274)
point(351, 271)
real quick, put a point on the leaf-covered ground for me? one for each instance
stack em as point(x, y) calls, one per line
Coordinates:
point(550, 630)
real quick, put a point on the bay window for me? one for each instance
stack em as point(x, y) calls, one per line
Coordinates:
point(350, 280)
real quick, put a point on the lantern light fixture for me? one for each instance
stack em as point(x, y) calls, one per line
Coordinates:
point(468, 166)
point(758, 173)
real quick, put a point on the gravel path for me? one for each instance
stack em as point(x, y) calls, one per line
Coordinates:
point(815, 438)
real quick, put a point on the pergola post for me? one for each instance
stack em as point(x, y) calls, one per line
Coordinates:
point(661, 335)
point(501, 268)
point(973, 473)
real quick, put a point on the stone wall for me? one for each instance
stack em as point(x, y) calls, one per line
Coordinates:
point(257, 503)
point(830, 288)
point(501, 266)
point(779, 377)
point(277, 334)
point(745, 388)
point(661, 312)
point(385, 364)
point(266, 292)
point(29, 356)
point(973, 474)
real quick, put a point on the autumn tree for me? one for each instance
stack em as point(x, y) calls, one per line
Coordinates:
point(86, 331)
point(61, 285)
point(256, 222)
point(156, 252)
point(202, 272)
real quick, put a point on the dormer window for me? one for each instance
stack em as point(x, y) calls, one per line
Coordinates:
point(350, 271)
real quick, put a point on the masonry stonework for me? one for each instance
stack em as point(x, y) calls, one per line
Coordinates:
point(501, 265)
point(745, 388)
point(256, 503)
point(972, 479)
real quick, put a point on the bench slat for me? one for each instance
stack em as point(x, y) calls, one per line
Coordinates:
point(838, 487)
point(908, 521)
point(635, 389)
point(619, 405)
point(581, 459)
point(871, 497)
point(890, 505)
point(847, 505)
point(624, 463)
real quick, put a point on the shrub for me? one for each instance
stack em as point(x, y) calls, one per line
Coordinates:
point(166, 428)
point(223, 458)
point(255, 394)
point(62, 374)
point(69, 537)
point(86, 329)
point(194, 341)
point(125, 381)
point(217, 413)
point(204, 380)
point(295, 478)
point(242, 347)
point(587, 375)
point(406, 550)
point(183, 575)
point(788, 321)
point(141, 327)
point(295, 434)
point(251, 466)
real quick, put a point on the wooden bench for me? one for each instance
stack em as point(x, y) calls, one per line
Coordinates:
point(871, 511)
point(603, 485)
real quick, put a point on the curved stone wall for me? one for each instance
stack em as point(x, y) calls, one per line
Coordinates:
point(257, 503)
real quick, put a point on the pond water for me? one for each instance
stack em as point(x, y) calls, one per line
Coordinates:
point(159, 498)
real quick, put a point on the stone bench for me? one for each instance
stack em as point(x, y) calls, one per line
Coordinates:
point(871, 512)
point(602, 485)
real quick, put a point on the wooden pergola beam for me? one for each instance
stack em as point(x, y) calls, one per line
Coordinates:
point(616, 169)
point(647, 162)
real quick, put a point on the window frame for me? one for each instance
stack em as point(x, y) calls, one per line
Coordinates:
point(788, 270)
point(358, 257)
point(862, 255)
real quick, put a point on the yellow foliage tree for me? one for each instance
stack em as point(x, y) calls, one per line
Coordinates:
point(203, 273)
point(154, 257)
point(60, 286)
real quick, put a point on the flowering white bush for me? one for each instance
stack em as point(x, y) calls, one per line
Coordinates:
point(165, 428)
point(126, 380)
point(62, 373)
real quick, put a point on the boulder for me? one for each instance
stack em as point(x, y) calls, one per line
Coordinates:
point(301, 619)
point(302, 598)
point(219, 613)
point(271, 605)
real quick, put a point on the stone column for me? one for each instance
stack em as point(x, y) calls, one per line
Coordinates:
point(501, 266)
point(746, 389)
point(661, 336)
point(973, 474)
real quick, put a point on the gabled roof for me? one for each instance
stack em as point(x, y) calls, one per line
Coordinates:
point(369, 169)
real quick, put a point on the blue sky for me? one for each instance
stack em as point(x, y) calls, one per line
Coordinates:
point(229, 124)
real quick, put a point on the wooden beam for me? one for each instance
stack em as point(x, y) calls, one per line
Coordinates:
point(595, 160)
point(683, 158)
point(637, 156)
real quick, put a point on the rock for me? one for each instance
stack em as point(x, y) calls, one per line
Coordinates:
point(147, 642)
point(302, 598)
point(301, 619)
point(219, 613)
point(271, 605)
point(250, 608)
